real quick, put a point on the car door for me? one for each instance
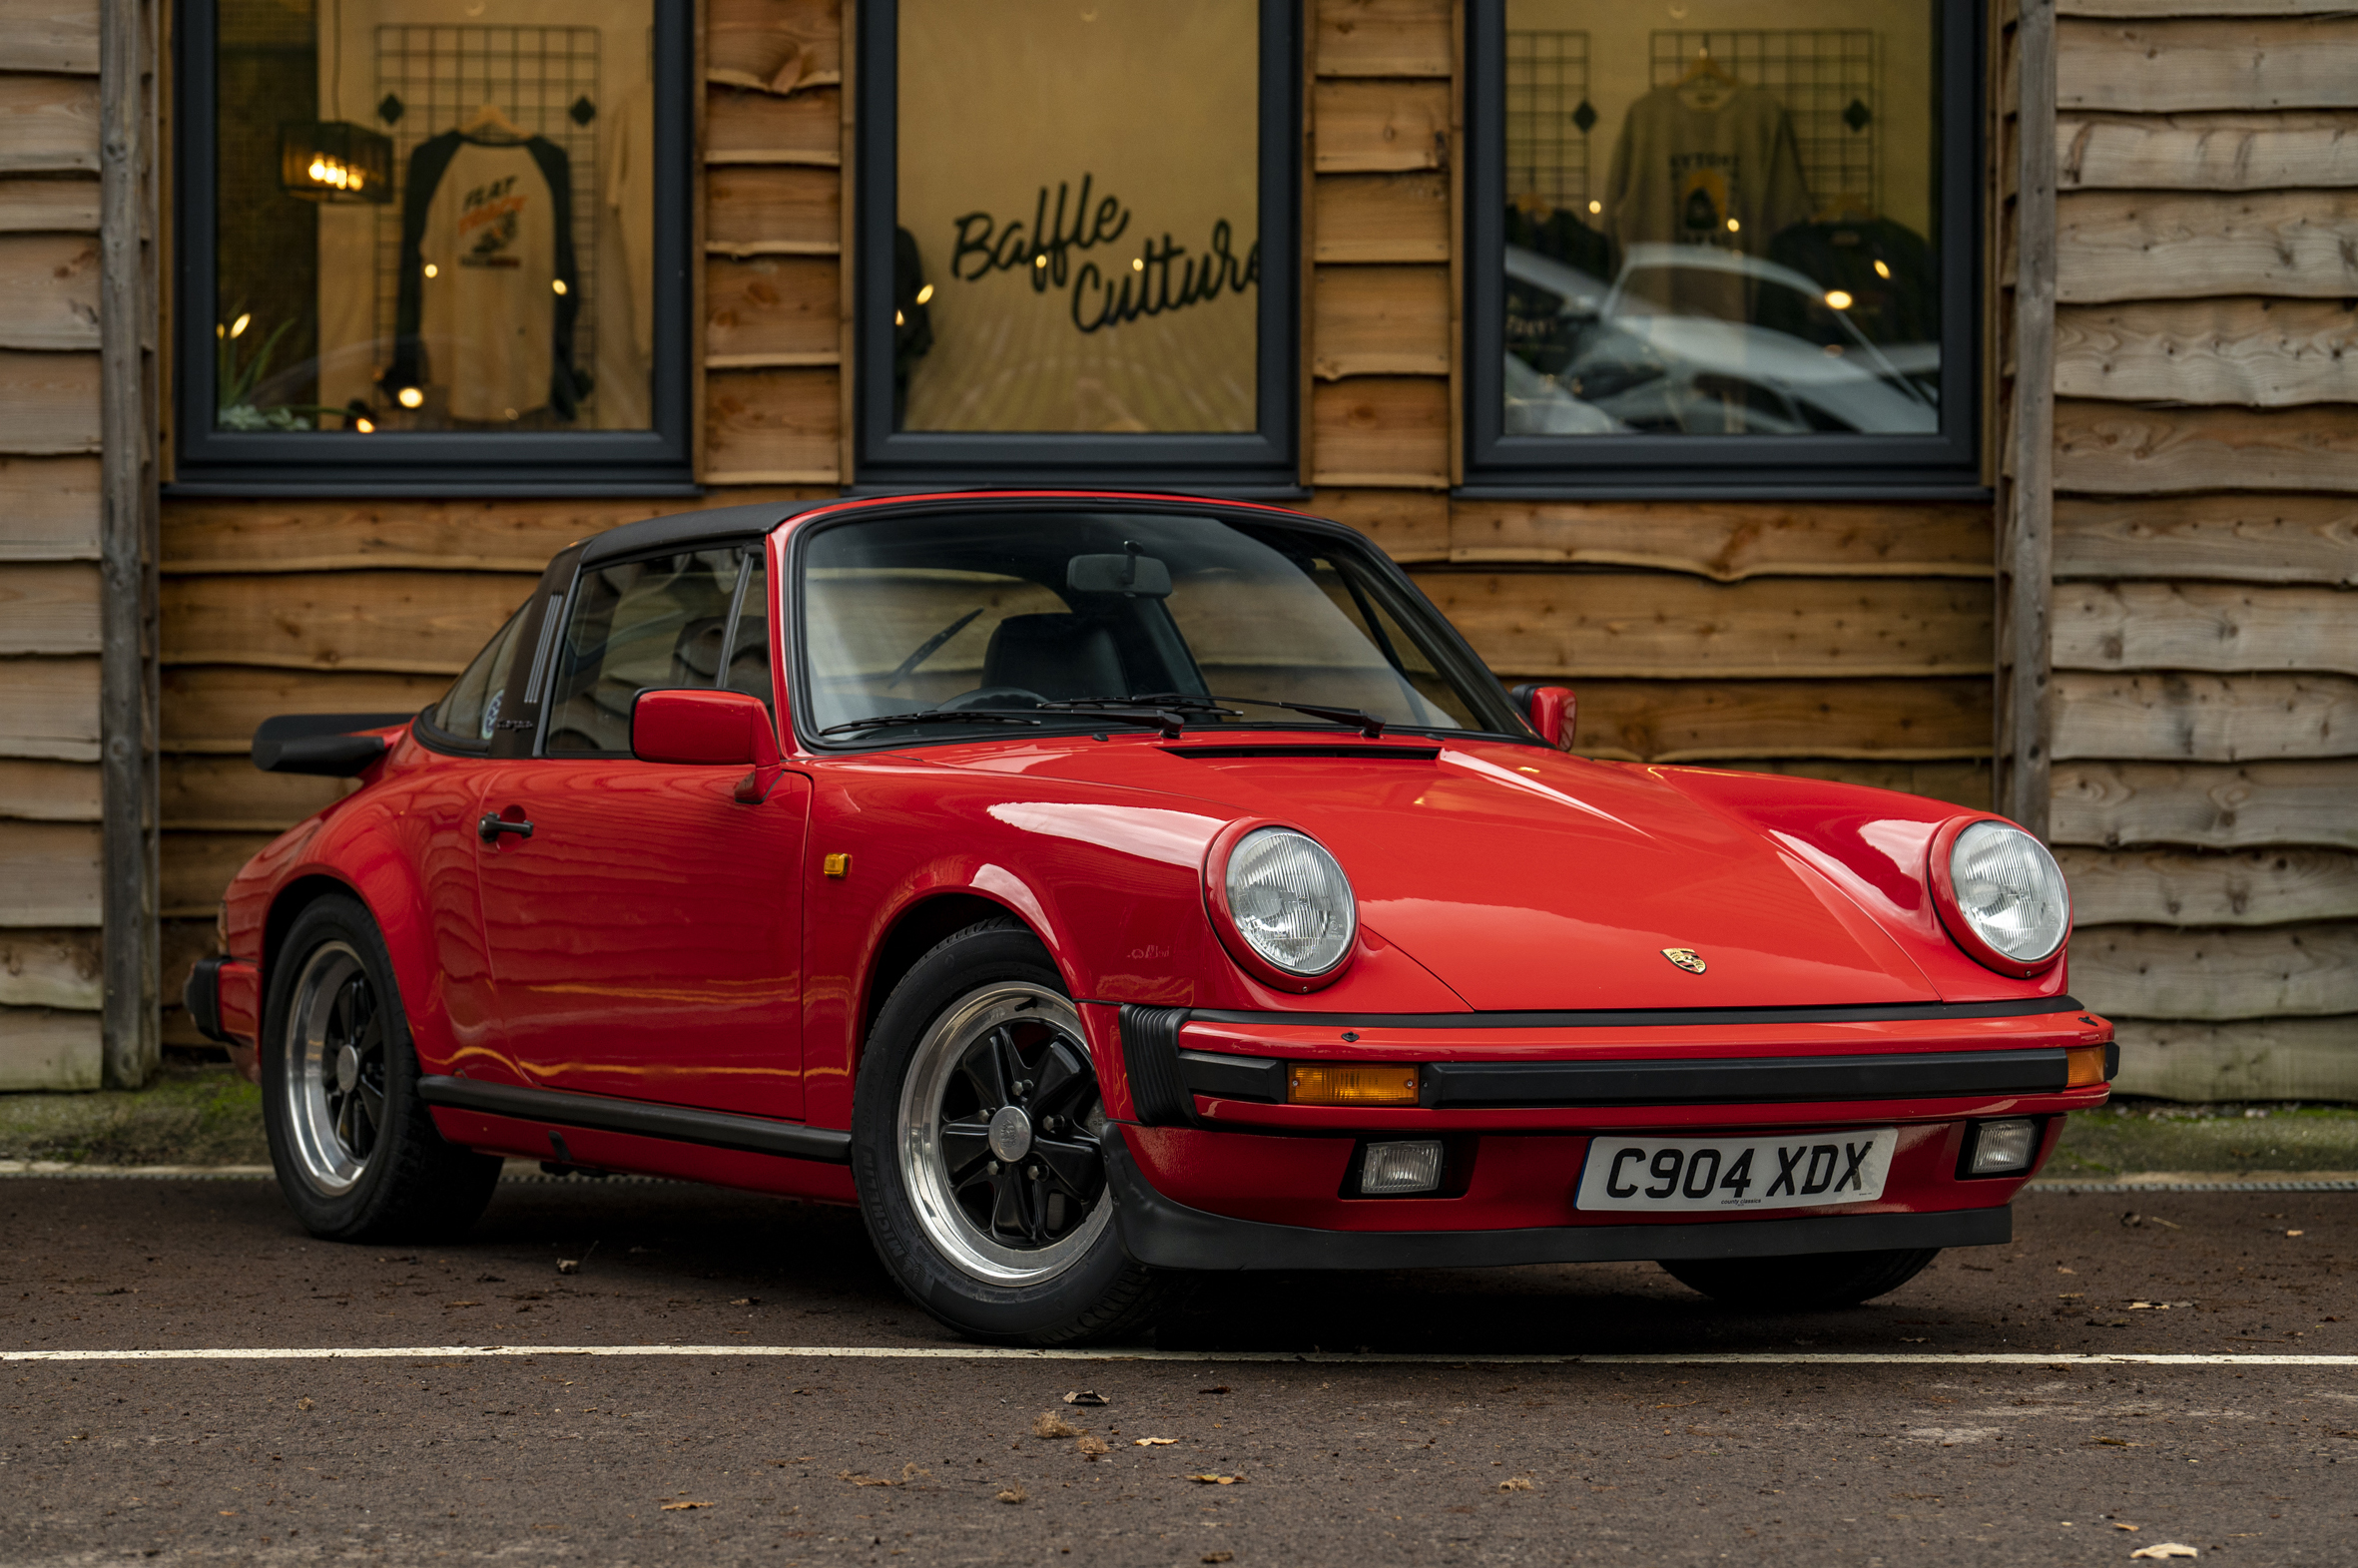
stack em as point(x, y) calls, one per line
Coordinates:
point(644, 932)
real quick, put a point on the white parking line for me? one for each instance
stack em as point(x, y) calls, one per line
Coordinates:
point(986, 1352)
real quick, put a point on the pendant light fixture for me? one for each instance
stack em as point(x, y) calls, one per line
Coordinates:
point(335, 159)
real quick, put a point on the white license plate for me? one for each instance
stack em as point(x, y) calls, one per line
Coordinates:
point(1802, 1171)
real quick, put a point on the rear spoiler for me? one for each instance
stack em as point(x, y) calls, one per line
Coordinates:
point(322, 744)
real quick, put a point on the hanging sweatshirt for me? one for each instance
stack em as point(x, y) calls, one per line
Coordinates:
point(491, 325)
point(1689, 162)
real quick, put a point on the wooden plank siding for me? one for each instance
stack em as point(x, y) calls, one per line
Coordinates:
point(1839, 640)
point(2207, 522)
point(51, 875)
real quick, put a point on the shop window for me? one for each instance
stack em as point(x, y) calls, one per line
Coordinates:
point(432, 245)
point(1076, 240)
point(1732, 246)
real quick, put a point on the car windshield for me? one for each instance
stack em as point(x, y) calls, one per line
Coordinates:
point(973, 614)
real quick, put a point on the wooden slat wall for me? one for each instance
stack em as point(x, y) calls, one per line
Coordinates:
point(774, 223)
point(49, 519)
point(1845, 640)
point(2207, 538)
point(1848, 641)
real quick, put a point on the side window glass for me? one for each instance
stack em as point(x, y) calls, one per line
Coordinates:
point(636, 624)
point(749, 650)
point(470, 708)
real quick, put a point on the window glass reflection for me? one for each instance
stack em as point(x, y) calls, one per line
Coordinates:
point(1717, 228)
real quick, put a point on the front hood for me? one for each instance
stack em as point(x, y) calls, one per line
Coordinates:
point(1526, 880)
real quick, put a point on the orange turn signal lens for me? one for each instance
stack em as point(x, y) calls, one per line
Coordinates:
point(1353, 1083)
point(2085, 1069)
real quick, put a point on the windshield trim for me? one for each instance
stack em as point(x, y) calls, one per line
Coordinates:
point(1455, 657)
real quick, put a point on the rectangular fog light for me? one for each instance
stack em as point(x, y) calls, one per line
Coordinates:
point(1408, 1167)
point(2000, 1147)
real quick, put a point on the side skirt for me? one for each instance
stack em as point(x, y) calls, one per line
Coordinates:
point(680, 1124)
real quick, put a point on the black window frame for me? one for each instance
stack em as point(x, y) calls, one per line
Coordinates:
point(207, 461)
point(1262, 464)
point(1948, 465)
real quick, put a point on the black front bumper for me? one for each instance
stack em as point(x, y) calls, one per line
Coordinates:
point(1167, 1234)
point(202, 997)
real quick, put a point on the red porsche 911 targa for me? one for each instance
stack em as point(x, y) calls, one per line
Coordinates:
point(1096, 889)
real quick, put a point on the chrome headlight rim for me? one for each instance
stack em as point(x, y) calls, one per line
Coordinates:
point(1961, 925)
point(1261, 966)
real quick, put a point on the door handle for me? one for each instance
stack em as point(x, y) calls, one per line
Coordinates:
point(492, 825)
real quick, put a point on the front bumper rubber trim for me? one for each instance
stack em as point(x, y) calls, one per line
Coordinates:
point(202, 997)
point(1164, 1234)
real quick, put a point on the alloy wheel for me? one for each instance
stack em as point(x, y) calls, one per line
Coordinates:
point(335, 1068)
point(1000, 1135)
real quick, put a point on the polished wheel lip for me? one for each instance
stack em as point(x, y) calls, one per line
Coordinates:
point(924, 1168)
point(328, 1085)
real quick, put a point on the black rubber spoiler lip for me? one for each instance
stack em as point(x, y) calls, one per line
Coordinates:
point(327, 746)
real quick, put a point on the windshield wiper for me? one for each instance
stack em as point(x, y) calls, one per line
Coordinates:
point(1365, 723)
point(928, 715)
point(1159, 718)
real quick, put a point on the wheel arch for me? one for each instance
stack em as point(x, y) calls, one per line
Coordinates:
point(915, 931)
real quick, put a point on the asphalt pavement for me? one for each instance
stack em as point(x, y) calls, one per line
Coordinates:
point(1956, 1421)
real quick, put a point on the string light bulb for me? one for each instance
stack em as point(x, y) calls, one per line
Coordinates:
point(924, 294)
point(1837, 299)
point(411, 397)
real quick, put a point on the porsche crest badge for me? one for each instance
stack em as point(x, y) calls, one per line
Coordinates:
point(1686, 958)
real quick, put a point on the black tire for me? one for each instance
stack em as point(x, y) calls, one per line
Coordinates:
point(1809, 1282)
point(1096, 1291)
point(359, 1160)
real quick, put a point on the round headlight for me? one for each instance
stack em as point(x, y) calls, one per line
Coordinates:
point(2010, 892)
point(1290, 901)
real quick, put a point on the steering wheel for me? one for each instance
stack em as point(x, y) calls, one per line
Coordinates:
point(995, 697)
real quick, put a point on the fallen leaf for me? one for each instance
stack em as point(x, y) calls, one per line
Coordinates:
point(747, 1300)
point(1152, 1442)
point(859, 1480)
point(303, 1403)
point(228, 1513)
point(1516, 1483)
point(2165, 1549)
point(1049, 1424)
point(1219, 1557)
point(568, 1266)
point(682, 1503)
point(1086, 1397)
point(1091, 1447)
point(2140, 1306)
point(2296, 1233)
point(1014, 1495)
point(2070, 1295)
point(1222, 1389)
point(463, 1304)
point(2060, 1269)
point(2113, 1443)
point(1217, 1480)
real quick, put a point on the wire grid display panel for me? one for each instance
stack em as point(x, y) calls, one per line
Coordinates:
point(1548, 117)
point(440, 76)
point(1826, 79)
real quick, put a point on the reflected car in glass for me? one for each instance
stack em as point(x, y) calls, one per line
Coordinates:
point(1097, 889)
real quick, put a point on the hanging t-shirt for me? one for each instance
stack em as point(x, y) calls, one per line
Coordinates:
point(489, 292)
point(1706, 165)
